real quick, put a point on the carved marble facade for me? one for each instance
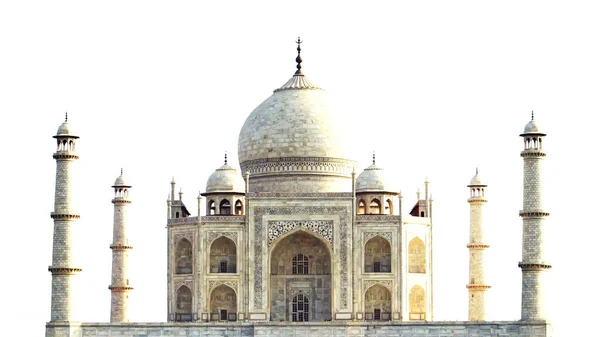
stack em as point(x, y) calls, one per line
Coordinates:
point(300, 251)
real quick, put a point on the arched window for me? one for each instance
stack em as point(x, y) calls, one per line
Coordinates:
point(300, 264)
point(183, 257)
point(422, 214)
point(378, 256)
point(375, 207)
point(417, 304)
point(212, 208)
point(183, 310)
point(223, 256)
point(225, 207)
point(416, 256)
point(389, 209)
point(300, 308)
point(361, 207)
point(176, 214)
point(239, 208)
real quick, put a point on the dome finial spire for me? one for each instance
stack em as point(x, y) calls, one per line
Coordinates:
point(121, 171)
point(531, 114)
point(225, 157)
point(476, 170)
point(373, 157)
point(298, 58)
point(66, 117)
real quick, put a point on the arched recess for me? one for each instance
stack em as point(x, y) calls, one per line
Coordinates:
point(183, 257)
point(223, 256)
point(375, 207)
point(212, 207)
point(225, 207)
point(223, 304)
point(378, 255)
point(239, 207)
point(300, 249)
point(183, 306)
point(416, 256)
point(417, 304)
point(389, 207)
point(361, 207)
point(378, 303)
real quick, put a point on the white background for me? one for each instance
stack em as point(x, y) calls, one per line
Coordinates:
point(162, 89)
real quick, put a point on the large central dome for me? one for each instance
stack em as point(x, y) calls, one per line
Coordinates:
point(294, 133)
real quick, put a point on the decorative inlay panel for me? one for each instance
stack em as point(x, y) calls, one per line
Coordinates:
point(386, 283)
point(259, 233)
point(322, 228)
point(224, 218)
point(231, 284)
point(212, 236)
point(187, 235)
point(187, 283)
point(385, 235)
point(298, 164)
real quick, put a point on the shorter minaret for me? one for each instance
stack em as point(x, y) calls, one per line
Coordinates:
point(477, 285)
point(120, 288)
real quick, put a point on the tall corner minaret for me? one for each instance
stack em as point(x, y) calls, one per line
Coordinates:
point(119, 287)
point(533, 264)
point(477, 247)
point(63, 272)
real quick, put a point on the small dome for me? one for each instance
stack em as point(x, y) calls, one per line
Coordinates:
point(476, 180)
point(65, 130)
point(121, 182)
point(225, 179)
point(372, 179)
point(531, 127)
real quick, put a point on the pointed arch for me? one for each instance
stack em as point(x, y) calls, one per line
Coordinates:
point(239, 207)
point(212, 207)
point(416, 256)
point(225, 207)
point(417, 303)
point(183, 305)
point(375, 206)
point(389, 207)
point(361, 207)
point(378, 303)
point(223, 304)
point(223, 255)
point(378, 255)
point(183, 257)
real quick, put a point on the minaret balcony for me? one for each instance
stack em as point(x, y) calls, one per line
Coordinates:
point(63, 216)
point(532, 153)
point(63, 270)
point(119, 246)
point(64, 155)
point(533, 214)
point(525, 266)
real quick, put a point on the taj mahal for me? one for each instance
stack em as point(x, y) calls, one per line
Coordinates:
point(300, 241)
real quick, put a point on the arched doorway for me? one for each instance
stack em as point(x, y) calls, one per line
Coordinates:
point(378, 303)
point(300, 268)
point(223, 304)
point(417, 304)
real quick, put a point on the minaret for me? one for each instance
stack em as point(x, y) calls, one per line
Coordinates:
point(533, 264)
point(62, 269)
point(477, 285)
point(119, 287)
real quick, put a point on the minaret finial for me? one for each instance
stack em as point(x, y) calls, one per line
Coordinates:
point(66, 117)
point(476, 170)
point(225, 157)
point(298, 58)
point(373, 157)
point(531, 114)
point(121, 171)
